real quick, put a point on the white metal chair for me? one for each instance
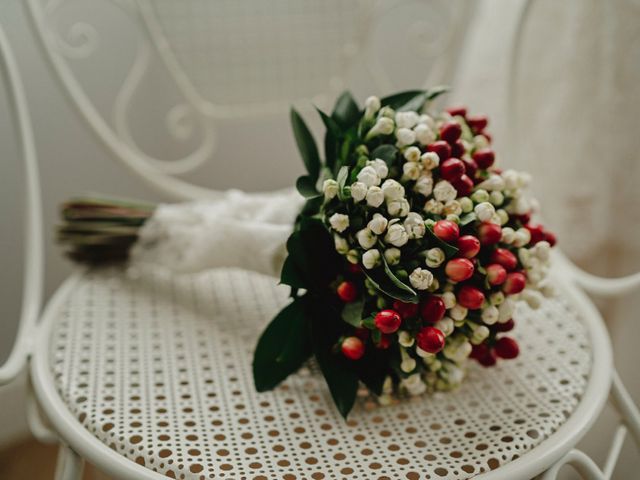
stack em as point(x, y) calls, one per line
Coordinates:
point(138, 374)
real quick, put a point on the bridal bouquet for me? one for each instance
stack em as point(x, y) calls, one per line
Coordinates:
point(408, 255)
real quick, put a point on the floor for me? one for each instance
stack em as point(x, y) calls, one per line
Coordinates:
point(17, 463)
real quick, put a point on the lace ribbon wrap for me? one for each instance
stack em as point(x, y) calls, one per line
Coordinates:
point(244, 230)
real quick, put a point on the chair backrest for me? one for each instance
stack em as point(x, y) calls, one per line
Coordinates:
point(232, 60)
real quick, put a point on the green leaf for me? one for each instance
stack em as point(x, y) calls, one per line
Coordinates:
point(381, 281)
point(395, 280)
point(352, 313)
point(306, 186)
point(385, 152)
point(435, 92)
point(331, 137)
point(448, 249)
point(306, 145)
point(467, 219)
point(312, 206)
point(346, 112)
point(283, 347)
point(291, 274)
point(412, 99)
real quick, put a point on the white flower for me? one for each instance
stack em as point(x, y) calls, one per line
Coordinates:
point(398, 208)
point(339, 222)
point(496, 298)
point(427, 120)
point(455, 374)
point(480, 195)
point(375, 197)
point(533, 298)
point(505, 310)
point(371, 258)
point(392, 190)
point(433, 206)
point(458, 312)
point(424, 185)
point(508, 235)
point(542, 250)
point(480, 141)
point(371, 106)
point(449, 299)
point(521, 206)
point(341, 244)
point(457, 350)
point(465, 204)
point(405, 136)
point(412, 154)
point(392, 255)
point(408, 365)
point(369, 176)
point(494, 182)
point(414, 385)
point(424, 134)
point(435, 257)
point(430, 160)
point(496, 198)
point(484, 211)
point(358, 191)
point(379, 166)
point(405, 339)
point(366, 238)
point(445, 325)
point(411, 171)
point(353, 256)
point(388, 112)
point(421, 278)
point(452, 207)
point(378, 224)
point(330, 188)
point(406, 119)
point(383, 126)
point(490, 315)
point(396, 235)
point(480, 334)
point(444, 191)
point(522, 237)
point(414, 225)
point(511, 179)
point(501, 217)
point(423, 354)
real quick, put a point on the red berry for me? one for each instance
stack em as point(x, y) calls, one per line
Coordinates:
point(384, 342)
point(514, 283)
point(354, 268)
point(463, 185)
point(388, 321)
point(430, 339)
point(459, 269)
point(484, 158)
point(468, 246)
point(455, 111)
point(537, 233)
point(478, 351)
point(441, 148)
point(488, 137)
point(352, 348)
point(457, 149)
point(489, 233)
point(446, 230)
point(347, 291)
point(470, 297)
point(496, 274)
point(452, 169)
point(504, 257)
point(471, 166)
point(450, 132)
point(507, 348)
point(488, 359)
point(406, 310)
point(524, 218)
point(477, 123)
point(551, 238)
point(432, 309)
point(504, 327)
point(362, 333)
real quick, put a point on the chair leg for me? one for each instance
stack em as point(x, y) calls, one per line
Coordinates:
point(69, 466)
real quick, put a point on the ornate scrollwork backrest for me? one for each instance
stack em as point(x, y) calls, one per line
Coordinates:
point(230, 60)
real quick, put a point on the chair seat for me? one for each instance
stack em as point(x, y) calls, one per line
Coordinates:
point(157, 368)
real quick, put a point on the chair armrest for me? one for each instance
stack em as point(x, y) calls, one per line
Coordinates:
point(601, 286)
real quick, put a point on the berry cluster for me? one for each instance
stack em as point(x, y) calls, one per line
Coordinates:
point(436, 216)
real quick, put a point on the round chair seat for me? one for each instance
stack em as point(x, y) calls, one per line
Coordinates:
point(146, 372)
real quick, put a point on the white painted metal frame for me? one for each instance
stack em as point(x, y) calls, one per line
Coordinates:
point(31, 343)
